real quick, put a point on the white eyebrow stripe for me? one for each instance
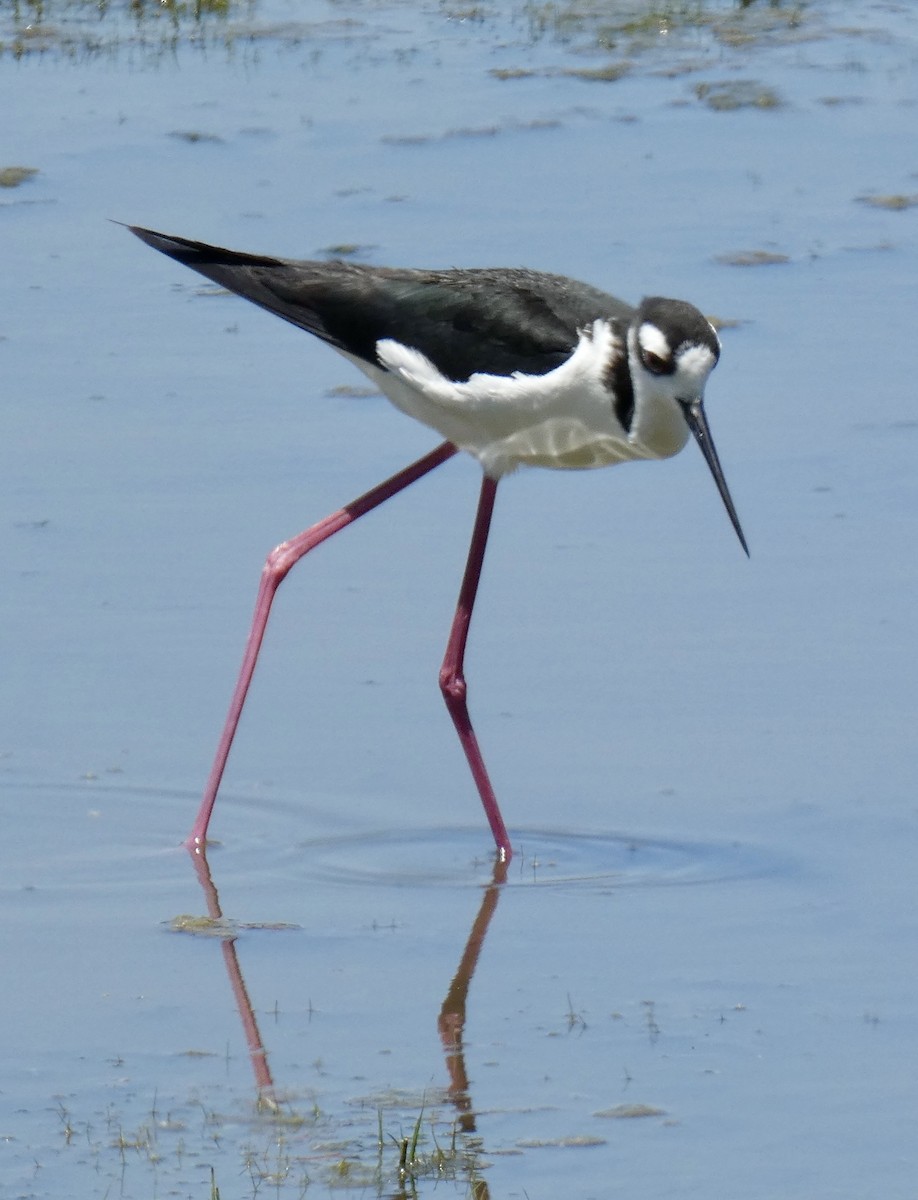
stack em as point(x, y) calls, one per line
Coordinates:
point(654, 341)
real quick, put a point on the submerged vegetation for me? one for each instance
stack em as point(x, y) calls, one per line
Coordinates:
point(288, 1147)
point(80, 29)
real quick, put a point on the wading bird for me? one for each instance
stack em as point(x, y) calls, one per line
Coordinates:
point(515, 367)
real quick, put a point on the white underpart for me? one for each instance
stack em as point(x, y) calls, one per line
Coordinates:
point(564, 419)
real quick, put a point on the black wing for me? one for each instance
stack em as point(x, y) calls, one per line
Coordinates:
point(491, 320)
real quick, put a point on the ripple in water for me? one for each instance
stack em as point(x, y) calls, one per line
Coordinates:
point(542, 858)
point(96, 834)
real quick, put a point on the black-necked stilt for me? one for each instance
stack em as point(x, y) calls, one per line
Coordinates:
point(516, 367)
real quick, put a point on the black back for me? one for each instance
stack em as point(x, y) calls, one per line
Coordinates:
point(491, 320)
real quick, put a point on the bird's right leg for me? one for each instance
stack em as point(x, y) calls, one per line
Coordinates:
point(277, 566)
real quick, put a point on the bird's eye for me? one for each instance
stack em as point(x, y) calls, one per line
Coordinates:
point(654, 363)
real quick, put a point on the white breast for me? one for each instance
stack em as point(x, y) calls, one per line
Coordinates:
point(564, 419)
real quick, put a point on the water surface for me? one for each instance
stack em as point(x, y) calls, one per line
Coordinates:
point(706, 764)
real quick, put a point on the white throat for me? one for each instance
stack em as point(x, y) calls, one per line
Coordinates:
point(659, 425)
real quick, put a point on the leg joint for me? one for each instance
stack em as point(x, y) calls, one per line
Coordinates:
point(452, 684)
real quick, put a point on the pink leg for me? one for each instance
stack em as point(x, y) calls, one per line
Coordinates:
point(278, 564)
point(452, 678)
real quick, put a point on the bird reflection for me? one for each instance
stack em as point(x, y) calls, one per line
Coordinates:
point(451, 1023)
point(264, 1082)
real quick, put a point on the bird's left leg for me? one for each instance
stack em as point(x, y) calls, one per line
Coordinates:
point(452, 677)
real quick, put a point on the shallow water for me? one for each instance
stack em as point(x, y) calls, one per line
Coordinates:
point(706, 764)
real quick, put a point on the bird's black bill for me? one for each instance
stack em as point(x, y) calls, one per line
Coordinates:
point(698, 423)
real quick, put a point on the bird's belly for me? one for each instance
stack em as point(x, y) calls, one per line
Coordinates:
point(558, 443)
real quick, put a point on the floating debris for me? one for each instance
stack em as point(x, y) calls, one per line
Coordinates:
point(735, 94)
point(576, 1142)
point(895, 202)
point(349, 391)
point(630, 1112)
point(220, 927)
point(512, 72)
point(346, 250)
point(194, 136)
point(607, 74)
point(752, 258)
point(202, 926)
point(720, 323)
point(11, 177)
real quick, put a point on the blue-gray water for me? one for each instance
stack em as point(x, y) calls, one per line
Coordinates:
point(707, 764)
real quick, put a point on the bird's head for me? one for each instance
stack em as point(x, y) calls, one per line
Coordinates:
point(672, 349)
